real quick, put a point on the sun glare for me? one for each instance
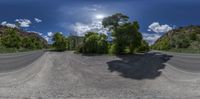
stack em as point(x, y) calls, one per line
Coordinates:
point(99, 16)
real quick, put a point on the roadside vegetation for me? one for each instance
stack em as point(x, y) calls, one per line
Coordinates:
point(60, 43)
point(15, 40)
point(125, 35)
point(126, 38)
point(183, 39)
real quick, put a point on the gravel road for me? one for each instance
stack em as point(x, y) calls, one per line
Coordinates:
point(64, 75)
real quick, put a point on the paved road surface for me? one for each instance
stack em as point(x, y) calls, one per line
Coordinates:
point(185, 62)
point(66, 75)
point(10, 62)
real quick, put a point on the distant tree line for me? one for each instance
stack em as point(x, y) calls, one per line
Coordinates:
point(125, 34)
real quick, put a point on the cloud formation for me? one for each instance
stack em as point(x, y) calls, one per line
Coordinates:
point(37, 20)
point(151, 38)
point(156, 27)
point(4, 23)
point(23, 22)
point(50, 34)
point(81, 29)
point(46, 38)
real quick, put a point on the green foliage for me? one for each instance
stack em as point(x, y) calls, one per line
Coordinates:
point(193, 36)
point(60, 42)
point(125, 36)
point(163, 44)
point(26, 43)
point(180, 39)
point(14, 40)
point(134, 37)
point(94, 43)
point(74, 42)
point(11, 39)
point(102, 44)
point(115, 49)
point(144, 47)
point(114, 21)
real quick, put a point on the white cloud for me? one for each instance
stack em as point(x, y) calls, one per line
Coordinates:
point(89, 9)
point(151, 38)
point(93, 8)
point(81, 29)
point(37, 20)
point(4, 23)
point(156, 27)
point(50, 34)
point(47, 38)
point(23, 22)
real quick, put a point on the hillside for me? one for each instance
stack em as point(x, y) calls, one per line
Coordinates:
point(183, 38)
point(16, 39)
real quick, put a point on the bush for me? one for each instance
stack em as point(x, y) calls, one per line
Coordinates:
point(163, 44)
point(94, 43)
point(144, 47)
point(11, 39)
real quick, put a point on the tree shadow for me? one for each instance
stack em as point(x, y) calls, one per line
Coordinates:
point(139, 66)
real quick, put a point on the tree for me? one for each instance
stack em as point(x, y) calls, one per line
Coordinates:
point(102, 44)
point(94, 43)
point(144, 47)
point(73, 42)
point(32, 43)
point(134, 37)
point(60, 43)
point(112, 22)
point(11, 39)
point(163, 44)
point(125, 34)
point(26, 43)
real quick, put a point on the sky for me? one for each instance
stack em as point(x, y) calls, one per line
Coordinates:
point(76, 17)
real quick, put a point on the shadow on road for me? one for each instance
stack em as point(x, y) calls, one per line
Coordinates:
point(139, 66)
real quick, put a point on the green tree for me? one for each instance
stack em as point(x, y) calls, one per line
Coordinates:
point(60, 43)
point(193, 36)
point(124, 33)
point(26, 43)
point(11, 39)
point(144, 47)
point(125, 36)
point(134, 37)
point(112, 22)
point(73, 42)
point(163, 44)
point(94, 43)
point(102, 44)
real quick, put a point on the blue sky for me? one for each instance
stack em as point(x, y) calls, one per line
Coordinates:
point(79, 16)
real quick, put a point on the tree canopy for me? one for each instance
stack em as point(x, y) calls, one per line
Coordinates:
point(125, 34)
point(60, 43)
point(94, 43)
point(112, 22)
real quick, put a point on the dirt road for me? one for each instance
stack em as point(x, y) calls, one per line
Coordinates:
point(61, 75)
